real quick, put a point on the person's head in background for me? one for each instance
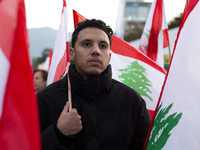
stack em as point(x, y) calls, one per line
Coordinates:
point(40, 79)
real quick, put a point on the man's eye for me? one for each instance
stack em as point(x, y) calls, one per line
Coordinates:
point(102, 46)
point(87, 44)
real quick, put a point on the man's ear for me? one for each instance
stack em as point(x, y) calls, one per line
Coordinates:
point(72, 54)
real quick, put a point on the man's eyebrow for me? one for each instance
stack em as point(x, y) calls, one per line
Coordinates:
point(104, 42)
point(86, 40)
point(89, 40)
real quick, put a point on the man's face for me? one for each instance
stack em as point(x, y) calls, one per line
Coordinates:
point(92, 52)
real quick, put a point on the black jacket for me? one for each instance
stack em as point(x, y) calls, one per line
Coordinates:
point(113, 115)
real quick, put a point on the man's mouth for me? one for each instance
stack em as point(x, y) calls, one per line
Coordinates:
point(95, 61)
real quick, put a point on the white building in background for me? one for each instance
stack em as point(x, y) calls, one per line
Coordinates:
point(135, 16)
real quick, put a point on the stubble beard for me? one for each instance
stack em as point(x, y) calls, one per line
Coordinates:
point(93, 71)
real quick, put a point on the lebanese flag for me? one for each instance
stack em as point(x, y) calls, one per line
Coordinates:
point(19, 118)
point(177, 121)
point(135, 69)
point(155, 34)
point(60, 57)
point(47, 62)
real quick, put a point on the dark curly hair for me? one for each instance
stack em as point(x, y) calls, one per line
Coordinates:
point(92, 23)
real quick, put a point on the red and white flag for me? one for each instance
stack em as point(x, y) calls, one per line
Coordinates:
point(177, 121)
point(47, 62)
point(135, 69)
point(155, 34)
point(19, 118)
point(60, 58)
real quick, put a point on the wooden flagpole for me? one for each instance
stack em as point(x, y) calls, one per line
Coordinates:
point(69, 88)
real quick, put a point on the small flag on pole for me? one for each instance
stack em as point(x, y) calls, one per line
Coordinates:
point(60, 57)
point(19, 118)
point(155, 34)
point(177, 121)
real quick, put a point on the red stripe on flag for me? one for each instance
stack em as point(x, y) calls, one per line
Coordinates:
point(60, 71)
point(165, 38)
point(19, 124)
point(152, 48)
point(151, 112)
point(67, 49)
point(50, 58)
point(7, 25)
point(123, 48)
point(77, 18)
point(64, 3)
point(64, 6)
point(187, 10)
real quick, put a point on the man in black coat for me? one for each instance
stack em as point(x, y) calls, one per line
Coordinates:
point(104, 114)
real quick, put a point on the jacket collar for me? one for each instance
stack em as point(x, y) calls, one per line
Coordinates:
point(92, 86)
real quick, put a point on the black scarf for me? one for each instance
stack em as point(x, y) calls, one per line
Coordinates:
point(91, 86)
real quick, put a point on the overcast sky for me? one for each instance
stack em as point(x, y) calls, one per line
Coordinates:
point(46, 13)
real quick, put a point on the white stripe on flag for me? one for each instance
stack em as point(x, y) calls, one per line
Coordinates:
point(5, 67)
point(164, 23)
point(160, 59)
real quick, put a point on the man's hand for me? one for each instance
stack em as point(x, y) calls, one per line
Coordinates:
point(69, 122)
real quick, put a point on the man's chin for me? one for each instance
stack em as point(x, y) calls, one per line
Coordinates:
point(94, 72)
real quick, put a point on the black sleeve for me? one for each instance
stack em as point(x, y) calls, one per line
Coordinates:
point(65, 141)
point(142, 128)
point(52, 138)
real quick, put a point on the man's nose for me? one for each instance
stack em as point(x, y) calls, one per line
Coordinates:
point(95, 50)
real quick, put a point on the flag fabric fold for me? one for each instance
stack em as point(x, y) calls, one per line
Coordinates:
point(155, 34)
point(19, 118)
point(60, 57)
point(47, 62)
point(177, 120)
point(135, 69)
point(119, 27)
point(77, 18)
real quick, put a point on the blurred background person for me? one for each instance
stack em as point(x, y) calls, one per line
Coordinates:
point(40, 79)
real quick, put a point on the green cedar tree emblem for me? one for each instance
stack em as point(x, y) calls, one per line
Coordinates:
point(134, 76)
point(162, 126)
